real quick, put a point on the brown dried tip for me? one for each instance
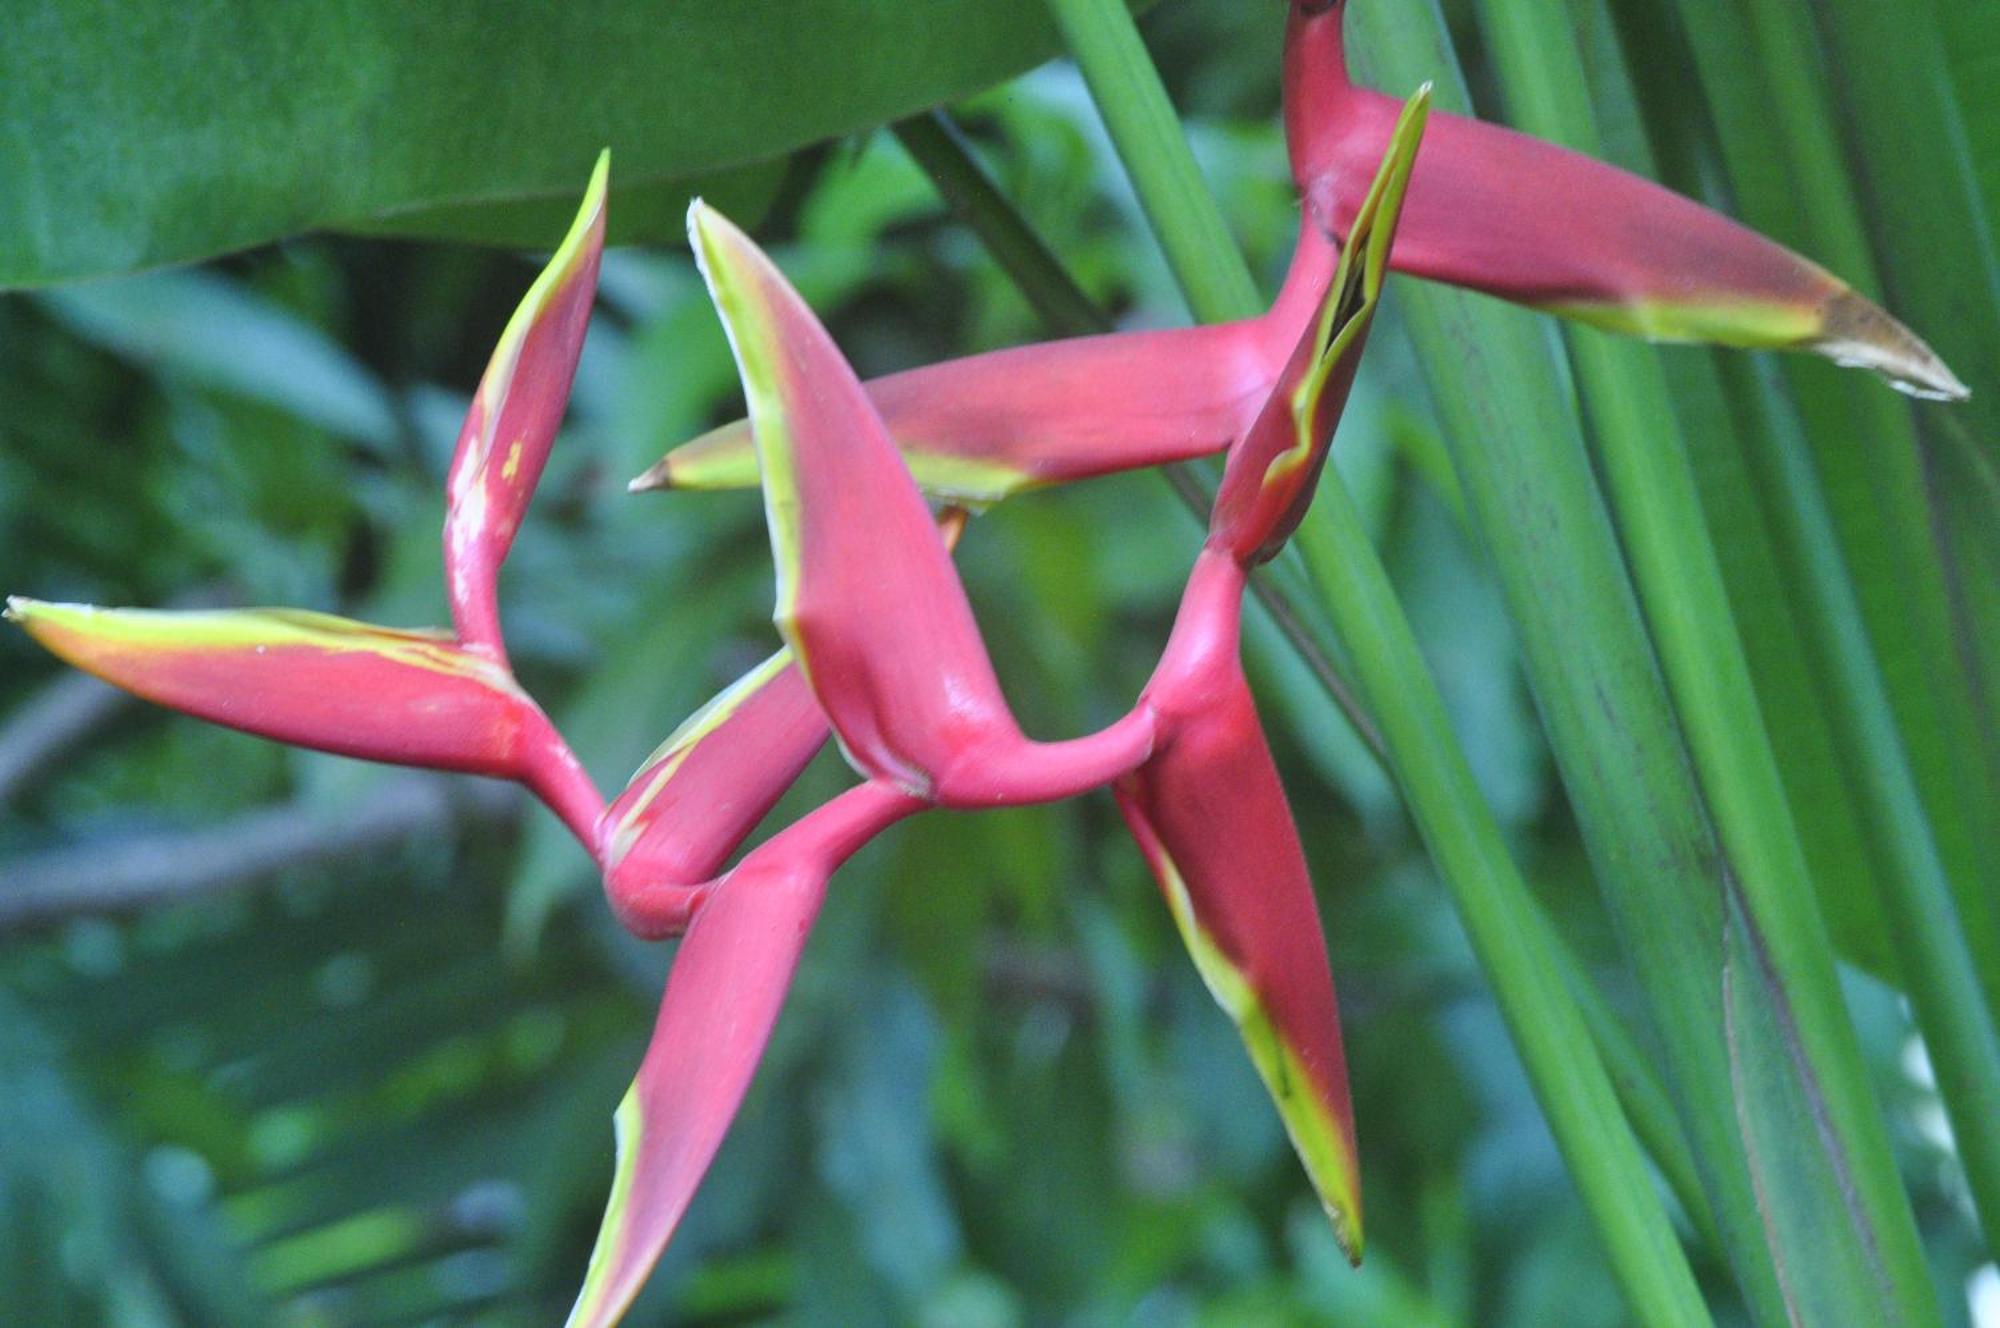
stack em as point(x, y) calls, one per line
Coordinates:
point(1860, 334)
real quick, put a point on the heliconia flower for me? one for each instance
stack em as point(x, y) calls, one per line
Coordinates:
point(724, 991)
point(411, 698)
point(1206, 808)
point(702, 792)
point(867, 597)
point(1492, 210)
point(1269, 478)
point(1211, 820)
point(1501, 212)
point(982, 428)
point(863, 579)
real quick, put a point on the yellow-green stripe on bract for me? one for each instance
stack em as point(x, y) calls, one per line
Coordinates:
point(412, 698)
point(514, 417)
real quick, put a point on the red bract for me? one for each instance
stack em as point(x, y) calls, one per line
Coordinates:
point(882, 648)
point(867, 597)
point(697, 797)
point(728, 981)
point(512, 424)
point(1491, 209)
point(1516, 217)
point(413, 698)
point(1211, 819)
point(981, 428)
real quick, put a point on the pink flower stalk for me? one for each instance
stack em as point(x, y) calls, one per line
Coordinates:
point(1490, 209)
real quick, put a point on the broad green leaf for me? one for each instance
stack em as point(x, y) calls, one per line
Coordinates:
point(155, 134)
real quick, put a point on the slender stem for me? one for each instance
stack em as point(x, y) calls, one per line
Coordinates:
point(1147, 133)
point(940, 150)
point(1640, 1090)
point(1548, 1027)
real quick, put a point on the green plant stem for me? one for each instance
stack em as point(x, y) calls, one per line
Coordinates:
point(1777, 136)
point(1547, 1025)
point(1147, 133)
point(1640, 1091)
point(942, 153)
point(1576, 1093)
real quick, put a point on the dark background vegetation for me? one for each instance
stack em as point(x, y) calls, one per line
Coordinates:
point(291, 1040)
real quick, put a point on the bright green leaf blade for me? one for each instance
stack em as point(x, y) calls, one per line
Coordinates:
point(1891, 66)
point(183, 131)
point(1788, 170)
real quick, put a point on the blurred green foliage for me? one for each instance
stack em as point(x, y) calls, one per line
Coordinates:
point(374, 1087)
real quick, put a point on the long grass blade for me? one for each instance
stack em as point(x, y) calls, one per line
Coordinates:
point(1739, 978)
point(1788, 171)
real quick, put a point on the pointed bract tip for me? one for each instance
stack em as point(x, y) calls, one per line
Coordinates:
point(700, 218)
point(18, 608)
point(721, 251)
point(658, 476)
point(589, 225)
point(1346, 1234)
point(1859, 334)
point(1384, 205)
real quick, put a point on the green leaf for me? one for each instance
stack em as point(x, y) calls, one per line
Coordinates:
point(1787, 167)
point(221, 334)
point(183, 131)
point(1734, 964)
